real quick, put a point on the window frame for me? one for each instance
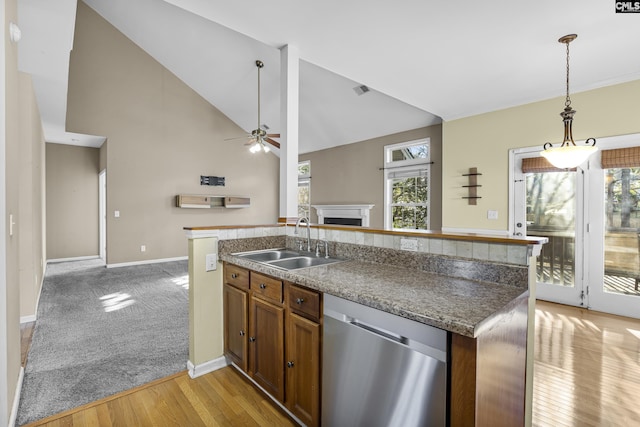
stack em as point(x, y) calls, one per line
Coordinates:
point(304, 180)
point(422, 168)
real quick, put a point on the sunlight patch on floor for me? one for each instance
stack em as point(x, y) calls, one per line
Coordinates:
point(182, 281)
point(116, 301)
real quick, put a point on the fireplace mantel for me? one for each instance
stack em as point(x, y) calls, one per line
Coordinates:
point(360, 212)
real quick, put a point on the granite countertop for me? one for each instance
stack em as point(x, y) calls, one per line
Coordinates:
point(462, 306)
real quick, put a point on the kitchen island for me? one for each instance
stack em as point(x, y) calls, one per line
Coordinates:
point(483, 304)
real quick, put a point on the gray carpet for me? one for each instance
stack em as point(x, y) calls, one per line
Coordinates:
point(100, 331)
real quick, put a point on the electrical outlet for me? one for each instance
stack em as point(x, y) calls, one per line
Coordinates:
point(211, 262)
point(409, 244)
point(143, 248)
point(492, 214)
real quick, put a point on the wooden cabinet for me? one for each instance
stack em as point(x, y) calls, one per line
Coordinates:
point(266, 319)
point(235, 306)
point(235, 325)
point(303, 368)
point(266, 346)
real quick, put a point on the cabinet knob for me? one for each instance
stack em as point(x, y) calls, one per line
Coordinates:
point(263, 286)
point(234, 276)
point(241, 333)
point(299, 300)
point(289, 364)
point(252, 339)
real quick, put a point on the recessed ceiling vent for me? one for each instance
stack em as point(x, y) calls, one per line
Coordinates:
point(361, 90)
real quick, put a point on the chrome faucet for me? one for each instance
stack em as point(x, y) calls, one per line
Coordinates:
point(306, 220)
point(326, 248)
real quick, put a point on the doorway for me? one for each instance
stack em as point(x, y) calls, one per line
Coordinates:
point(591, 216)
point(102, 212)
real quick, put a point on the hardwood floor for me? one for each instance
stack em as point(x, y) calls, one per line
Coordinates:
point(221, 398)
point(587, 373)
point(587, 368)
point(26, 332)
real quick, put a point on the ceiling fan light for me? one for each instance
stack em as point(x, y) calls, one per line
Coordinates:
point(265, 147)
point(568, 156)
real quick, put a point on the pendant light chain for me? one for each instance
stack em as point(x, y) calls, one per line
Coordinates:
point(567, 102)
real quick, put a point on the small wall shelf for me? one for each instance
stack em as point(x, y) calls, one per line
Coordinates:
point(473, 185)
point(206, 202)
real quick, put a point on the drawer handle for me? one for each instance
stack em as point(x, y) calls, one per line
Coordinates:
point(252, 339)
point(241, 333)
point(289, 364)
point(299, 300)
point(234, 276)
point(263, 286)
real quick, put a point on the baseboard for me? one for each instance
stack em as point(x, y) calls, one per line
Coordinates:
point(34, 317)
point(483, 232)
point(205, 368)
point(28, 319)
point(77, 258)
point(16, 399)
point(149, 261)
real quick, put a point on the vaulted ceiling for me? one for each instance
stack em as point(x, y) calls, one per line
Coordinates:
point(424, 60)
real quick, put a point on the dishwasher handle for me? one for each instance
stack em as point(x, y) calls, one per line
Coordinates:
point(378, 331)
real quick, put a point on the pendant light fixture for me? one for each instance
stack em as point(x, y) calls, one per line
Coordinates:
point(568, 155)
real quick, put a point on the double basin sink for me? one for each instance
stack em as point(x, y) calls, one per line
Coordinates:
point(287, 259)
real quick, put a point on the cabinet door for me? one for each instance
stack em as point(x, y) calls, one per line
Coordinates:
point(266, 346)
point(235, 325)
point(303, 369)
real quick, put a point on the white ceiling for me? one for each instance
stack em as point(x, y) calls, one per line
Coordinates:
point(424, 59)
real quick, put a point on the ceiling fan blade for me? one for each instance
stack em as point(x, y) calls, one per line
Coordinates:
point(272, 142)
point(274, 135)
point(237, 137)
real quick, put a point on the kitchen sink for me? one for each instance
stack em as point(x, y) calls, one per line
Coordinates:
point(269, 255)
point(287, 259)
point(302, 262)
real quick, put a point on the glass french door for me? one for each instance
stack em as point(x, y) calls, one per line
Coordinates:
point(615, 273)
point(550, 204)
point(591, 217)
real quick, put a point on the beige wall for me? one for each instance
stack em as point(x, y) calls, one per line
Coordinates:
point(32, 197)
point(350, 174)
point(483, 141)
point(162, 136)
point(10, 300)
point(72, 201)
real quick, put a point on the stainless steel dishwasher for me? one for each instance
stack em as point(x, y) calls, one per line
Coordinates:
point(380, 369)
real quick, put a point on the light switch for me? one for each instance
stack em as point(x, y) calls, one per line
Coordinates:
point(211, 262)
point(492, 214)
point(116, 214)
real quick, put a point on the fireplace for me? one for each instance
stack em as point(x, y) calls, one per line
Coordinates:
point(357, 215)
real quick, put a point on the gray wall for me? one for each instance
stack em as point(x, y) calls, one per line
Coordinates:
point(72, 201)
point(161, 137)
point(350, 174)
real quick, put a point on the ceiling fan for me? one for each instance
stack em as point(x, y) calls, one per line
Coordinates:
point(259, 138)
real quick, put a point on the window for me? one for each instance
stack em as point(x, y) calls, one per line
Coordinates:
point(304, 189)
point(407, 169)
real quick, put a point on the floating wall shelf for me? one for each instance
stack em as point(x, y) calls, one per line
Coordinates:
point(205, 202)
point(473, 185)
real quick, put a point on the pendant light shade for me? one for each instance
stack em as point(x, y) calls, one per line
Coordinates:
point(568, 155)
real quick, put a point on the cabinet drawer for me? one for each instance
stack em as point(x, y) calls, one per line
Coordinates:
point(236, 276)
point(266, 287)
point(304, 301)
